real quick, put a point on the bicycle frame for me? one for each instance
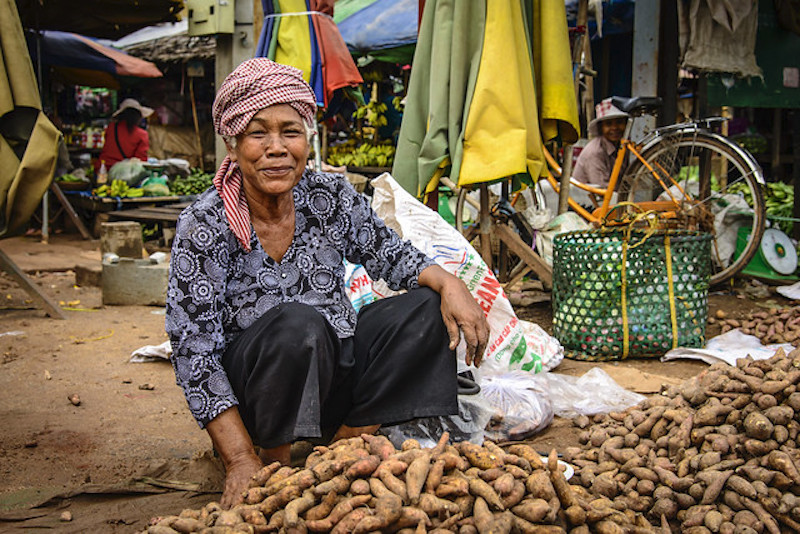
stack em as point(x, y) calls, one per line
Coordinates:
point(666, 208)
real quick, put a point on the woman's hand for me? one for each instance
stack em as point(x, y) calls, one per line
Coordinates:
point(237, 478)
point(235, 448)
point(460, 312)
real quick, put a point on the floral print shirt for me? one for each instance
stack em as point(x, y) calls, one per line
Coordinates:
point(217, 289)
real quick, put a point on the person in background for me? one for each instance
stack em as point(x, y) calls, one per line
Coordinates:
point(266, 343)
point(596, 160)
point(124, 138)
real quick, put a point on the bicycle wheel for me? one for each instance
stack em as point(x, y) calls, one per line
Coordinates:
point(705, 183)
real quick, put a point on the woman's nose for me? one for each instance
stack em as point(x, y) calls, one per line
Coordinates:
point(274, 145)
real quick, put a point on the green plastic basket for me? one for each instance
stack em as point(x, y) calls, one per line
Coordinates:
point(604, 313)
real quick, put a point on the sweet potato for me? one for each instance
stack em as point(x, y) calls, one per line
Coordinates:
point(263, 475)
point(409, 444)
point(379, 445)
point(360, 486)
point(434, 506)
point(339, 511)
point(478, 456)
point(539, 485)
point(560, 484)
point(351, 520)
point(273, 503)
point(434, 476)
point(783, 462)
point(324, 508)
point(302, 479)
point(484, 520)
point(327, 469)
point(378, 488)
point(514, 496)
point(411, 517)
point(296, 507)
point(395, 485)
point(533, 510)
point(504, 484)
point(339, 484)
point(416, 475)
point(387, 510)
point(363, 468)
point(527, 452)
point(479, 488)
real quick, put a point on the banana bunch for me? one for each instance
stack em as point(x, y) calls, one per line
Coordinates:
point(118, 188)
point(779, 199)
point(364, 155)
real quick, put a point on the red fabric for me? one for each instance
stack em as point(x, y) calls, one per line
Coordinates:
point(338, 68)
point(135, 143)
point(228, 182)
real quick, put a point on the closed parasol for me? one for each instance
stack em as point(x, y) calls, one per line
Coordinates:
point(301, 33)
point(490, 79)
point(28, 140)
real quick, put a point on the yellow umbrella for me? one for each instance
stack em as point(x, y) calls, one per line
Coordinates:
point(28, 140)
point(487, 75)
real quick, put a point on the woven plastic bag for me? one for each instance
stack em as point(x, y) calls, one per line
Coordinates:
point(513, 344)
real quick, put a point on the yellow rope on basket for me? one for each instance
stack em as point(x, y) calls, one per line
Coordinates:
point(672, 314)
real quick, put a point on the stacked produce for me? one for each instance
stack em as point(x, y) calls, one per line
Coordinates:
point(364, 485)
point(194, 184)
point(773, 326)
point(778, 199)
point(118, 188)
point(363, 155)
point(716, 454)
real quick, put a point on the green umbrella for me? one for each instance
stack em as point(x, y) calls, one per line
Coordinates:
point(28, 140)
point(483, 92)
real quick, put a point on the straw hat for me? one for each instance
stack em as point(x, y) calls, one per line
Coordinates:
point(604, 111)
point(132, 103)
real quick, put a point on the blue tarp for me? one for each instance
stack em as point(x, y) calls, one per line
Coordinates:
point(382, 25)
point(64, 49)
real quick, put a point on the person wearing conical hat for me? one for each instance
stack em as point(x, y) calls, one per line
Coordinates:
point(596, 160)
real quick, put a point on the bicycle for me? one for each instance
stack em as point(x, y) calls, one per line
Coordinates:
point(685, 172)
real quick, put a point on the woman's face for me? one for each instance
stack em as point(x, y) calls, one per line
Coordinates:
point(273, 150)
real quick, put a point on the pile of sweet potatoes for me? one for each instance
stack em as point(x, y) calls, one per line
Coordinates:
point(716, 454)
point(363, 485)
point(770, 326)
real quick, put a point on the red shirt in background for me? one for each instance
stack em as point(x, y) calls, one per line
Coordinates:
point(134, 144)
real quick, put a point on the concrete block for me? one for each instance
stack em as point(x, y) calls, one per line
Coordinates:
point(135, 282)
point(123, 238)
point(86, 275)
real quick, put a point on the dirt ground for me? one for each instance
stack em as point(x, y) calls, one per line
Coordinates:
point(131, 450)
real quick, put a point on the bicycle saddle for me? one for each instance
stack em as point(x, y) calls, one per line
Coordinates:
point(638, 104)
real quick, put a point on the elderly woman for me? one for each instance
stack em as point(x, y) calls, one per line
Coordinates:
point(266, 343)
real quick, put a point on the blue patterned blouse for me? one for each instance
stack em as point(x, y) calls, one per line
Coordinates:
point(217, 289)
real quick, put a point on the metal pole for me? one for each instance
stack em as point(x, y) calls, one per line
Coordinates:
point(46, 197)
point(317, 148)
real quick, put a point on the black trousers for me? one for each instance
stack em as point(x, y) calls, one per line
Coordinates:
point(294, 378)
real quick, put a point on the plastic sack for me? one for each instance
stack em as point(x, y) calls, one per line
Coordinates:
point(512, 344)
point(358, 285)
point(521, 402)
point(593, 393)
point(566, 222)
point(131, 171)
point(473, 415)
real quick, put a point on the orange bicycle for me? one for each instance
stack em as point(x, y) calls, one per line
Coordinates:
point(692, 177)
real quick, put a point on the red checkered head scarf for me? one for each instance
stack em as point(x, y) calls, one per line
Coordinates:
point(254, 85)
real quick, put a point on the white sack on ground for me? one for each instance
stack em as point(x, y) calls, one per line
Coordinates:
point(513, 344)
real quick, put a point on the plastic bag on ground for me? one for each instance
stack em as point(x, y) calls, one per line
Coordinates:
point(593, 393)
point(521, 402)
point(512, 344)
point(473, 415)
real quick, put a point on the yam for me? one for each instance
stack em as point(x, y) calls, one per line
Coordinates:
point(416, 475)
